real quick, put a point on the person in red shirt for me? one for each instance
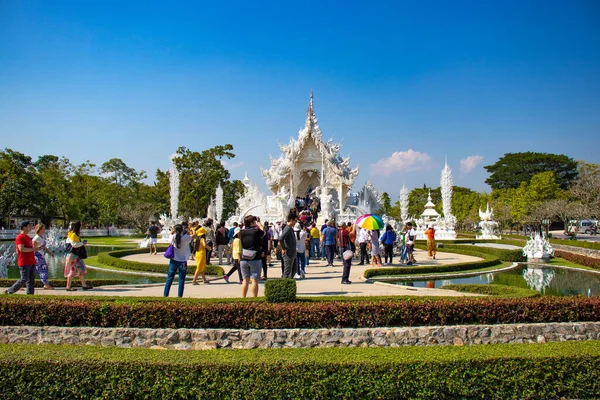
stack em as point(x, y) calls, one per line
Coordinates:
point(431, 251)
point(25, 260)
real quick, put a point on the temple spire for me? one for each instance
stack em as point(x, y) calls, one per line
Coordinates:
point(310, 115)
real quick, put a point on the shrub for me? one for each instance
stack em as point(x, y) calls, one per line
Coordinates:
point(429, 269)
point(493, 290)
point(502, 254)
point(280, 290)
point(42, 310)
point(577, 243)
point(525, 371)
point(113, 259)
point(63, 283)
point(580, 259)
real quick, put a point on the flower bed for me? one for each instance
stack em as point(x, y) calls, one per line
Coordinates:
point(114, 259)
point(490, 372)
point(591, 262)
point(41, 311)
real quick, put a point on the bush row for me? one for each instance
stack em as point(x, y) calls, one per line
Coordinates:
point(114, 259)
point(485, 372)
point(280, 290)
point(40, 311)
point(430, 269)
point(63, 283)
point(493, 290)
point(580, 259)
point(577, 243)
point(502, 254)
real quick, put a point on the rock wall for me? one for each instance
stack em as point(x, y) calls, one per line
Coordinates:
point(577, 250)
point(206, 339)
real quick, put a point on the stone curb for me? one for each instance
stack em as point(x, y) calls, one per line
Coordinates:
point(208, 339)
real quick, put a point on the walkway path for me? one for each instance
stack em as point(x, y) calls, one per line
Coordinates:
point(320, 281)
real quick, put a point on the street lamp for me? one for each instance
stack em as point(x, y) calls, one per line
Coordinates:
point(546, 224)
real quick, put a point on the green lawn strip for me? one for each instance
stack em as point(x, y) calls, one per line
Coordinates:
point(493, 290)
point(552, 370)
point(561, 262)
point(125, 241)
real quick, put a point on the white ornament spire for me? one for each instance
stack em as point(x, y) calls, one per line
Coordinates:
point(174, 189)
point(446, 184)
point(219, 203)
point(404, 203)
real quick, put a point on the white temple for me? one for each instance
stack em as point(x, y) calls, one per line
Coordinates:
point(487, 224)
point(307, 166)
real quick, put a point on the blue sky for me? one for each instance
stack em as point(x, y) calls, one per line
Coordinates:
point(402, 84)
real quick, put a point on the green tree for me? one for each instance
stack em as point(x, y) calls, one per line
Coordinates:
point(513, 168)
point(386, 204)
point(200, 173)
point(19, 186)
point(418, 197)
point(56, 191)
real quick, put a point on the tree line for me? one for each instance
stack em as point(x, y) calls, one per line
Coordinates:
point(527, 188)
point(54, 190)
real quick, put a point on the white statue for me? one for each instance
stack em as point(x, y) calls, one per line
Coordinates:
point(538, 278)
point(538, 249)
point(326, 204)
point(487, 224)
point(7, 257)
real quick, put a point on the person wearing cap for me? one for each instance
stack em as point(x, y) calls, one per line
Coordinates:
point(329, 241)
point(25, 260)
point(236, 246)
point(287, 240)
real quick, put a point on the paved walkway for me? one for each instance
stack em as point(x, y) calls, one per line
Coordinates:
point(320, 281)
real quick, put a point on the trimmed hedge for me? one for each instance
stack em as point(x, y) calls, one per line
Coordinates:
point(63, 283)
point(577, 243)
point(493, 290)
point(280, 290)
point(526, 371)
point(41, 311)
point(580, 259)
point(502, 254)
point(114, 259)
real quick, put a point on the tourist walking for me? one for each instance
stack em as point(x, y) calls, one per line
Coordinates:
point(343, 239)
point(25, 261)
point(252, 238)
point(431, 250)
point(39, 245)
point(352, 236)
point(410, 243)
point(153, 232)
point(210, 238)
point(300, 249)
point(375, 250)
point(403, 252)
point(266, 248)
point(329, 241)
point(315, 238)
point(236, 254)
point(363, 242)
point(74, 264)
point(388, 239)
point(287, 240)
point(323, 227)
point(222, 243)
point(200, 248)
point(180, 241)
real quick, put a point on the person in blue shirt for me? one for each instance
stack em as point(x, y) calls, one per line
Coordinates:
point(231, 233)
point(388, 239)
point(329, 242)
point(323, 247)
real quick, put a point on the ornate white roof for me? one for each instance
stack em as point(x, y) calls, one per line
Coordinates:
point(337, 168)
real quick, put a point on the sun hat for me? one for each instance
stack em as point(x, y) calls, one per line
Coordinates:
point(236, 231)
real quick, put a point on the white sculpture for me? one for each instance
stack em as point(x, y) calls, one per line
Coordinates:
point(404, 203)
point(326, 204)
point(55, 241)
point(168, 221)
point(7, 257)
point(219, 203)
point(538, 249)
point(444, 227)
point(446, 184)
point(369, 199)
point(487, 224)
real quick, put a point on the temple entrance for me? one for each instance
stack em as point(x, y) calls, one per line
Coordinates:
point(308, 182)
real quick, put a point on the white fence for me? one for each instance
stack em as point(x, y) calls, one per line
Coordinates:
point(12, 233)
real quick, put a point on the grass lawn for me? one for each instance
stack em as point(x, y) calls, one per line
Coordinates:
point(124, 241)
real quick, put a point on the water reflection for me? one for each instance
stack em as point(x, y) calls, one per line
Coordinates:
point(552, 281)
point(538, 278)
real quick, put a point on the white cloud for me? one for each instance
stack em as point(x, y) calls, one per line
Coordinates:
point(401, 161)
point(468, 164)
point(232, 166)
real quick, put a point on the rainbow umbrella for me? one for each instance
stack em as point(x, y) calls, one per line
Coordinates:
point(370, 222)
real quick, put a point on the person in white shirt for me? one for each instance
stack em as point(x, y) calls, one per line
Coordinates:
point(178, 264)
point(39, 246)
point(410, 243)
point(363, 239)
point(301, 235)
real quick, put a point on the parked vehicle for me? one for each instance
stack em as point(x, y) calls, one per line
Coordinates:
point(583, 226)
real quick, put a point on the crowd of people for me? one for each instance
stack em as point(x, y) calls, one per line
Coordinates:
point(31, 254)
point(252, 246)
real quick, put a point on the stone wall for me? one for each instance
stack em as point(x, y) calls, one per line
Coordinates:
point(577, 250)
point(206, 339)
